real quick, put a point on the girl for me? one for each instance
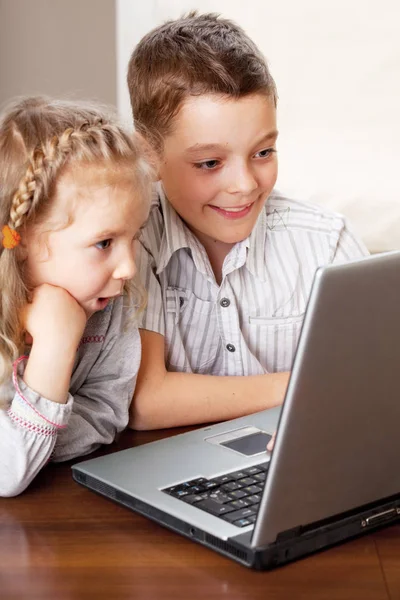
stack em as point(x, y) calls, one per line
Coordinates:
point(74, 191)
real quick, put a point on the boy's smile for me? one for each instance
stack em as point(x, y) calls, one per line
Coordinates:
point(219, 166)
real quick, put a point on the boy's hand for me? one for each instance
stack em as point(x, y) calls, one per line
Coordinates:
point(271, 442)
point(54, 317)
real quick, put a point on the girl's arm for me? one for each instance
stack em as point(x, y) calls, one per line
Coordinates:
point(29, 430)
point(34, 429)
point(102, 399)
point(164, 399)
point(104, 376)
point(41, 405)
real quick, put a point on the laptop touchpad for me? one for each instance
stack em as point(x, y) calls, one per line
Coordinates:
point(254, 443)
point(247, 440)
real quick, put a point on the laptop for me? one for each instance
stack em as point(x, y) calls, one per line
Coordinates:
point(334, 471)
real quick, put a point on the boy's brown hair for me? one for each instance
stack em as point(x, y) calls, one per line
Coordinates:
point(190, 56)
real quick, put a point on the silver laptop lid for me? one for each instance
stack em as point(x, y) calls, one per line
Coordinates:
point(338, 444)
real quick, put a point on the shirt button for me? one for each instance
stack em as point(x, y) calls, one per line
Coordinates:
point(225, 302)
point(230, 347)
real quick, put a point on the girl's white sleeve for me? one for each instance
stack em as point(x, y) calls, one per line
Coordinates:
point(28, 433)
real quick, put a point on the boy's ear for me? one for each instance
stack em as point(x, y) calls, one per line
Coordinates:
point(149, 153)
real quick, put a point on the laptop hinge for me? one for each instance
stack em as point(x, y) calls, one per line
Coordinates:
point(388, 513)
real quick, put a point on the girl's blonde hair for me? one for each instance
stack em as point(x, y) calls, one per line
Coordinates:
point(39, 139)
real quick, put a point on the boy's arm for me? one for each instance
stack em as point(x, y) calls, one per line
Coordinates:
point(164, 399)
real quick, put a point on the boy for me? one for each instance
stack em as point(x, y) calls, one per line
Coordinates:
point(228, 263)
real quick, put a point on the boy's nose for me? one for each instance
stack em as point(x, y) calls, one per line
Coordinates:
point(242, 180)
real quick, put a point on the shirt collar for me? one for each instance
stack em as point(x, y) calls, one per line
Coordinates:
point(177, 235)
point(256, 247)
point(273, 217)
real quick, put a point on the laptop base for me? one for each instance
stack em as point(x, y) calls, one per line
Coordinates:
point(289, 546)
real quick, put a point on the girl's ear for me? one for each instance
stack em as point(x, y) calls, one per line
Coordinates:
point(22, 250)
point(24, 244)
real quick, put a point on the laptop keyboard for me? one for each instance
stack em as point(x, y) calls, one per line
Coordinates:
point(234, 497)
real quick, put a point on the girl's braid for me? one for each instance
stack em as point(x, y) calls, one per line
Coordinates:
point(27, 189)
point(45, 162)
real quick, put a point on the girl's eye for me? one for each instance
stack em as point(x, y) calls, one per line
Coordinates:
point(264, 153)
point(207, 165)
point(103, 245)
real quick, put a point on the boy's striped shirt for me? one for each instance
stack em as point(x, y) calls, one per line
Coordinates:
point(250, 324)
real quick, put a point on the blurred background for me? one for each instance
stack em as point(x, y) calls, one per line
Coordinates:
point(336, 64)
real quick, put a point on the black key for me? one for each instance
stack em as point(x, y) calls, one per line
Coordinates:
point(254, 470)
point(214, 508)
point(239, 504)
point(242, 522)
point(205, 495)
point(210, 485)
point(220, 497)
point(197, 481)
point(176, 488)
point(252, 489)
point(192, 499)
point(247, 481)
point(252, 518)
point(237, 494)
point(243, 513)
point(196, 489)
point(233, 485)
point(256, 499)
point(254, 508)
point(261, 477)
point(222, 479)
point(264, 467)
point(180, 493)
point(238, 474)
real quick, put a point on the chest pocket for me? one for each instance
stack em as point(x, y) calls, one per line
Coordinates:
point(191, 331)
point(277, 339)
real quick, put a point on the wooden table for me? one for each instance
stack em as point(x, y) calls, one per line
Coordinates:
point(60, 541)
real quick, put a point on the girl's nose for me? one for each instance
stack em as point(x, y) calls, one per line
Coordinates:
point(126, 267)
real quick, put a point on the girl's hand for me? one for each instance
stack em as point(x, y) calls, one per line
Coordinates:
point(54, 318)
point(55, 321)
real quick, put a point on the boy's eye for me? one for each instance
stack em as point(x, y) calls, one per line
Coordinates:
point(103, 245)
point(264, 153)
point(207, 165)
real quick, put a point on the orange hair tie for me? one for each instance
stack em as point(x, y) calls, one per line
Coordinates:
point(11, 238)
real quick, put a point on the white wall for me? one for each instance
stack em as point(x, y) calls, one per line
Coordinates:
point(63, 48)
point(337, 68)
